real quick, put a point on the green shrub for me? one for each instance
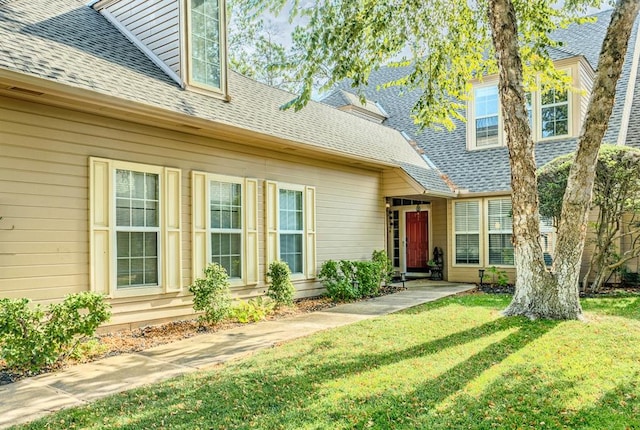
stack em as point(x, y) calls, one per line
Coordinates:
point(281, 289)
point(211, 294)
point(337, 278)
point(252, 311)
point(385, 265)
point(32, 338)
point(367, 274)
point(498, 277)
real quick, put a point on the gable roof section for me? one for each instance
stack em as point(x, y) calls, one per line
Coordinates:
point(66, 42)
point(487, 170)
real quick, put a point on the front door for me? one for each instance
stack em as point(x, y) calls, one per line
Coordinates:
point(417, 241)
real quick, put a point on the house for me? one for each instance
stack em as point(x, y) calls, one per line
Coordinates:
point(131, 157)
point(474, 157)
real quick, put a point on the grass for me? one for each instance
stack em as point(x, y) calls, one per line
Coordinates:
point(455, 363)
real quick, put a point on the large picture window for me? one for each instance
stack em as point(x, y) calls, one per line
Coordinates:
point(467, 232)
point(500, 229)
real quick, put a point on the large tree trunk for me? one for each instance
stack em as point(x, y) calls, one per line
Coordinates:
point(541, 294)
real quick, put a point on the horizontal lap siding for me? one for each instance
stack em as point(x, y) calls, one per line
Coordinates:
point(44, 196)
point(155, 23)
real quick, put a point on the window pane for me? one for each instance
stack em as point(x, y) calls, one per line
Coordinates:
point(467, 248)
point(123, 212)
point(137, 199)
point(123, 187)
point(291, 251)
point(137, 257)
point(226, 250)
point(291, 214)
point(205, 42)
point(554, 113)
point(500, 249)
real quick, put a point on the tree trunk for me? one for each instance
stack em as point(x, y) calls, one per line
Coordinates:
point(540, 294)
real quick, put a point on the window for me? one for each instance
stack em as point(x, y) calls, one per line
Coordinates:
point(206, 19)
point(500, 228)
point(291, 227)
point(225, 225)
point(135, 228)
point(486, 108)
point(467, 232)
point(554, 113)
point(548, 111)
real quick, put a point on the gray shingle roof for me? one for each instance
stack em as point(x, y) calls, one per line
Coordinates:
point(488, 170)
point(67, 42)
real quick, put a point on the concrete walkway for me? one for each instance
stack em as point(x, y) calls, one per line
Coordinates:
point(32, 398)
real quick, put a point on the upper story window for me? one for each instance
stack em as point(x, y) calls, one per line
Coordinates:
point(206, 44)
point(548, 111)
point(554, 113)
point(486, 116)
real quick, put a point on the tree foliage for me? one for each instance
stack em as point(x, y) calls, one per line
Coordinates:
point(443, 45)
point(616, 198)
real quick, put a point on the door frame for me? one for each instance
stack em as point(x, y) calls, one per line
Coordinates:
point(402, 213)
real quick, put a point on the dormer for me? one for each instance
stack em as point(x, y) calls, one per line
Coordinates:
point(185, 38)
point(347, 102)
point(553, 115)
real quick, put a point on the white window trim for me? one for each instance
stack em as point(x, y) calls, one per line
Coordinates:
point(471, 118)
point(201, 225)
point(272, 220)
point(536, 110)
point(489, 231)
point(299, 188)
point(186, 63)
point(211, 177)
point(537, 117)
point(103, 229)
point(452, 257)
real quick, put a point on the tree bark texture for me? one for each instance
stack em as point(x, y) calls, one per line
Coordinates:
point(539, 293)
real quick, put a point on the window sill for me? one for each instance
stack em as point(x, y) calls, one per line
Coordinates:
point(124, 292)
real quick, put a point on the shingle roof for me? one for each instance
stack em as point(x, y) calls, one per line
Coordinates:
point(488, 170)
point(67, 42)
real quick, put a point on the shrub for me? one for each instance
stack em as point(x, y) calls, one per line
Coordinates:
point(347, 280)
point(32, 338)
point(367, 274)
point(498, 277)
point(385, 265)
point(252, 311)
point(281, 289)
point(211, 294)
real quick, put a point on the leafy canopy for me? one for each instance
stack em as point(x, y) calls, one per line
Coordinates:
point(443, 44)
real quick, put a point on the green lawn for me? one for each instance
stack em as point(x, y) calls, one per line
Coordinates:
point(451, 364)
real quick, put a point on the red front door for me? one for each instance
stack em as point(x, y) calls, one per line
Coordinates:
point(417, 227)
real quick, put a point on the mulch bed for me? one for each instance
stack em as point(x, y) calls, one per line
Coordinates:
point(128, 341)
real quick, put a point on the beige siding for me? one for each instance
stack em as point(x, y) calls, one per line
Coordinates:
point(397, 183)
point(439, 229)
point(44, 201)
point(585, 83)
point(155, 23)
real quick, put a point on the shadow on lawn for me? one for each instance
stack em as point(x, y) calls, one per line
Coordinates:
point(284, 393)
